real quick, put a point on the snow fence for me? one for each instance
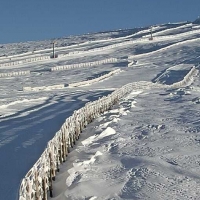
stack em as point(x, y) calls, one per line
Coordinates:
point(130, 42)
point(144, 38)
point(78, 84)
point(88, 64)
point(187, 80)
point(24, 61)
point(44, 88)
point(39, 180)
point(11, 74)
point(88, 82)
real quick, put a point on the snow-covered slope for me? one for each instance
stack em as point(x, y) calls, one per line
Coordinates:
point(145, 148)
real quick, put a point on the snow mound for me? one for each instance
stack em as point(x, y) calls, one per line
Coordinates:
point(76, 172)
point(109, 131)
point(88, 140)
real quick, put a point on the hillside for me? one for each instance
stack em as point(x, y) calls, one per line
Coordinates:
point(145, 147)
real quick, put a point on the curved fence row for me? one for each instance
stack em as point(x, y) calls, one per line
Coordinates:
point(82, 83)
point(88, 64)
point(39, 180)
point(187, 79)
point(78, 84)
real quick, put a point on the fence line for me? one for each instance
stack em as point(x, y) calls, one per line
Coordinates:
point(27, 60)
point(44, 88)
point(82, 83)
point(77, 84)
point(39, 180)
point(88, 64)
point(10, 74)
point(187, 79)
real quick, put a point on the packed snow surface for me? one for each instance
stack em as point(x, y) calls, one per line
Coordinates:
point(145, 147)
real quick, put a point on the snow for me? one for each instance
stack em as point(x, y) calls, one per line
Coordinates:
point(147, 158)
point(145, 147)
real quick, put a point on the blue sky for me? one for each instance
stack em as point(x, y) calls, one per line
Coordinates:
point(25, 20)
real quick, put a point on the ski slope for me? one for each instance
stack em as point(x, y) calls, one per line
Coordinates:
point(146, 147)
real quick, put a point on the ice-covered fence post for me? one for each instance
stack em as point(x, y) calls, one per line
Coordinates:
point(105, 104)
point(92, 111)
point(44, 186)
point(73, 121)
point(71, 131)
point(63, 143)
point(98, 107)
point(89, 113)
point(101, 106)
point(84, 116)
point(50, 184)
point(60, 148)
point(67, 136)
point(28, 189)
point(70, 141)
point(50, 148)
point(95, 111)
point(82, 119)
point(36, 186)
point(77, 125)
point(56, 150)
point(110, 102)
point(52, 167)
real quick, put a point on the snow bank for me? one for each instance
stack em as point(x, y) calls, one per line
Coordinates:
point(109, 131)
point(88, 64)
